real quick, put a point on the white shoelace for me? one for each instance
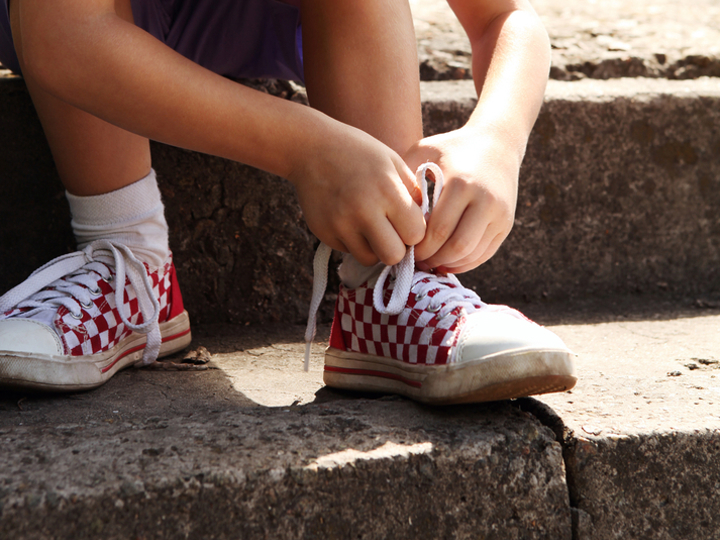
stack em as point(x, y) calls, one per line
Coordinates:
point(406, 279)
point(68, 281)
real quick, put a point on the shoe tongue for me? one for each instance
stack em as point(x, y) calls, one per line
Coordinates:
point(353, 274)
point(46, 317)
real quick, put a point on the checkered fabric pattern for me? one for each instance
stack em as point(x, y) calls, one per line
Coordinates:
point(100, 328)
point(415, 336)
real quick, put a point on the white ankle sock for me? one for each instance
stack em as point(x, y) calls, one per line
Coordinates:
point(132, 215)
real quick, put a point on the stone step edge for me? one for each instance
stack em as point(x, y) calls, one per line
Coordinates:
point(586, 89)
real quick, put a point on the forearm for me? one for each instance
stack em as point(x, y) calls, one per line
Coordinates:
point(113, 70)
point(511, 61)
point(481, 161)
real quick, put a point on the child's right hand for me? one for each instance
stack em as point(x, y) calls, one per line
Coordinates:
point(359, 196)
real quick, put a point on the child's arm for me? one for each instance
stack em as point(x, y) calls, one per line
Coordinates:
point(81, 52)
point(481, 161)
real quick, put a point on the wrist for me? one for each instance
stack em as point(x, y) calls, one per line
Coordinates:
point(497, 138)
point(305, 152)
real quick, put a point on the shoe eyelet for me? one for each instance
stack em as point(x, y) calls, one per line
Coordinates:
point(433, 309)
point(77, 317)
point(95, 292)
point(86, 306)
point(420, 297)
point(440, 316)
point(108, 279)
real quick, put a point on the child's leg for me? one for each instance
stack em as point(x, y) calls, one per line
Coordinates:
point(361, 66)
point(95, 158)
point(118, 301)
point(91, 155)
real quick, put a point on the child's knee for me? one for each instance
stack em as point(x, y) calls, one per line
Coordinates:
point(40, 34)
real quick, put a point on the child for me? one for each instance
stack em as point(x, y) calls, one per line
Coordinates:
point(108, 75)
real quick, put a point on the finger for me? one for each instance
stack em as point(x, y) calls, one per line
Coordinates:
point(470, 232)
point(420, 153)
point(471, 236)
point(408, 179)
point(359, 248)
point(465, 241)
point(335, 244)
point(408, 222)
point(385, 243)
point(472, 262)
point(442, 223)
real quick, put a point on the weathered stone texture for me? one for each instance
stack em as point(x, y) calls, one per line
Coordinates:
point(618, 193)
point(641, 430)
point(35, 217)
point(225, 471)
point(599, 40)
point(657, 486)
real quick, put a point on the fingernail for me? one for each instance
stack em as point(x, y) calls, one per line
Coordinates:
point(422, 266)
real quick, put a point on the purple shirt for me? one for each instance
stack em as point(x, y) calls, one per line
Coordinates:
point(234, 38)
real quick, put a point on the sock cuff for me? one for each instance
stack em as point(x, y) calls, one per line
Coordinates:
point(136, 201)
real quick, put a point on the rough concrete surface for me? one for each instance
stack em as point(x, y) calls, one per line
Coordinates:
point(641, 429)
point(599, 39)
point(158, 454)
point(618, 194)
point(254, 447)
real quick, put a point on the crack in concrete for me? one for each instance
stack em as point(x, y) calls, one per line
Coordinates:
point(566, 438)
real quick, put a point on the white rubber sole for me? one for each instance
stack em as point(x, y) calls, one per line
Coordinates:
point(56, 373)
point(506, 375)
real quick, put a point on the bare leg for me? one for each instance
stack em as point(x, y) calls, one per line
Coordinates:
point(91, 155)
point(361, 66)
point(177, 102)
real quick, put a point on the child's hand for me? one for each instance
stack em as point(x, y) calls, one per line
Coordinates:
point(355, 193)
point(476, 208)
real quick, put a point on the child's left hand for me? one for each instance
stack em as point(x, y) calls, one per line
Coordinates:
point(476, 208)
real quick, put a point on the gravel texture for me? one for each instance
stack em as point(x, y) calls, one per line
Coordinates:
point(599, 39)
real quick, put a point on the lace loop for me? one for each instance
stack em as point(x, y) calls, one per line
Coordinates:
point(405, 270)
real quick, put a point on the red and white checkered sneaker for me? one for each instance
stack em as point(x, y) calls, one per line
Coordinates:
point(429, 338)
point(82, 317)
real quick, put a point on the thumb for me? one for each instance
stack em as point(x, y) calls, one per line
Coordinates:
point(408, 180)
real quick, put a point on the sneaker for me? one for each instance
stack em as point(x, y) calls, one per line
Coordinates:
point(425, 336)
point(445, 346)
point(83, 317)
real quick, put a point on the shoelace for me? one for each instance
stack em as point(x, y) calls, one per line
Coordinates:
point(67, 281)
point(452, 293)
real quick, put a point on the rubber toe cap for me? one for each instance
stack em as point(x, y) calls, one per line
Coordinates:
point(29, 336)
point(487, 333)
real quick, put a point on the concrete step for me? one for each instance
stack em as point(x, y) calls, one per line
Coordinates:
point(607, 40)
point(618, 194)
point(255, 448)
